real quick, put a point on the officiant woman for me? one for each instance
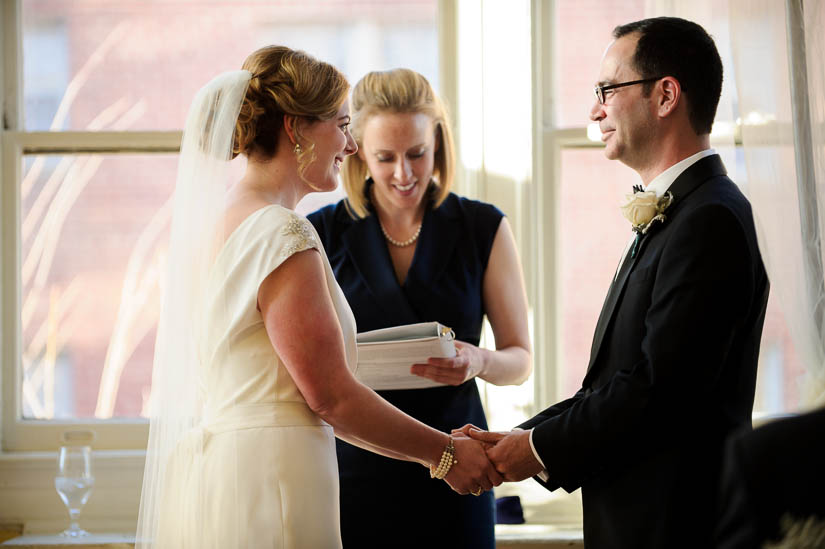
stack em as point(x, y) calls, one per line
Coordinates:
point(405, 249)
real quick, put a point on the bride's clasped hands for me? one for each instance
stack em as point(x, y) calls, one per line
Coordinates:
point(472, 472)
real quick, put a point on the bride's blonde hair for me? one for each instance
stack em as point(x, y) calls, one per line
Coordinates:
point(397, 91)
point(285, 82)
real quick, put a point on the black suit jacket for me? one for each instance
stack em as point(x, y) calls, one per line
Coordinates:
point(774, 471)
point(672, 372)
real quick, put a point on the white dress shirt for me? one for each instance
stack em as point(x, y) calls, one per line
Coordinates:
point(660, 184)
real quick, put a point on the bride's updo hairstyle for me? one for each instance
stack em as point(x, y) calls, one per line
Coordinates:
point(285, 82)
point(397, 91)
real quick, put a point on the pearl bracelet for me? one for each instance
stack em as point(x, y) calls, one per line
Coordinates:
point(447, 461)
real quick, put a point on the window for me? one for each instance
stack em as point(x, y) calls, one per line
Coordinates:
point(591, 233)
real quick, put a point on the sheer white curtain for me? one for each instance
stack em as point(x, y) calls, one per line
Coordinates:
point(779, 64)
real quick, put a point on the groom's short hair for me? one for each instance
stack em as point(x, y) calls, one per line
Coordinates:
point(670, 46)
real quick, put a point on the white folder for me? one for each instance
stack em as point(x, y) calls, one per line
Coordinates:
point(386, 355)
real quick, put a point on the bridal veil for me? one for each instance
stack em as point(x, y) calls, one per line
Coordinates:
point(171, 478)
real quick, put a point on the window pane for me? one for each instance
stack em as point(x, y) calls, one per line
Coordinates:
point(136, 65)
point(506, 405)
point(583, 31)
point(94, 229)
point(592, 238)
point(778, 381)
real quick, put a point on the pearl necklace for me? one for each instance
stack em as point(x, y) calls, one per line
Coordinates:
point(398, 243)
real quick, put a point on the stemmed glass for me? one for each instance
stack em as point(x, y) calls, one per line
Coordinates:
point(74, 480)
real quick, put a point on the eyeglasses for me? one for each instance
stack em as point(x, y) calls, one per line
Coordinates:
point(600, 90)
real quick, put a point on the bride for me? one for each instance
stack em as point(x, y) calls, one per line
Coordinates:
point(255, 353)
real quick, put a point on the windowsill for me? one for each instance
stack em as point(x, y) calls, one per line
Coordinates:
point(553, 519)
point(96, 541)
point(545, 536)
point(507, 535)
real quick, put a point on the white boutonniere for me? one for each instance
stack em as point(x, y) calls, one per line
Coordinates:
point(643, 209)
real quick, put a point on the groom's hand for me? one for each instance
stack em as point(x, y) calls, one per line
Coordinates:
point(464, 432)
point(509, 452)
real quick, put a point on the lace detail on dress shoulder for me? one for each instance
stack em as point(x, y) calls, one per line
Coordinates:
point(301, 236)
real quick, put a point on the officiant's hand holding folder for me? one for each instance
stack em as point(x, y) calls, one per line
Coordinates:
point(385, 356)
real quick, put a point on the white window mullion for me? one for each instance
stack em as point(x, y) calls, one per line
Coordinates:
point(11, 57)
point(11, 68)
point(543, 284)
point(10, 168)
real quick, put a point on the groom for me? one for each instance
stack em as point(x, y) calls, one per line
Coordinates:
point(673, 362)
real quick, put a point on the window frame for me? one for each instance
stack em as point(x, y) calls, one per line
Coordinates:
point(20, 434)
point(30, 435)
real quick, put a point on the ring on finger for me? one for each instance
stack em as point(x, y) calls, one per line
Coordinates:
point(477, 491)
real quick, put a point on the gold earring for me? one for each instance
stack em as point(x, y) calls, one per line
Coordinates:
point(297, 149)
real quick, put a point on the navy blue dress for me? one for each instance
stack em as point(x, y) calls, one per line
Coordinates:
point(386, 502)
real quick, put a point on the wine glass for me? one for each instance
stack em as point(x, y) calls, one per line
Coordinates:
point(74, 482)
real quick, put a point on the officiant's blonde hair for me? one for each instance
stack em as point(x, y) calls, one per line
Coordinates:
point(397, 91)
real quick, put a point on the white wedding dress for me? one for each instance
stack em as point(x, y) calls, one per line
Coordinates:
point(260, 471)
